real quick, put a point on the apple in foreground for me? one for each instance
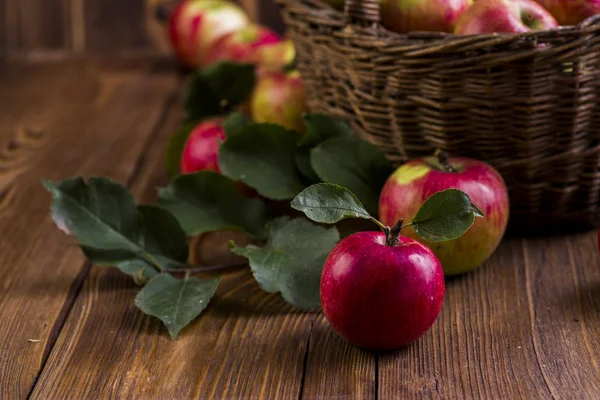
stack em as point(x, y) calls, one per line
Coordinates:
point(279, 98)
point(244, 45)
point(381, 295)
point(571, 12)
point(195, 25)
point(410, 185)
point(504, 16)
point(405, 16)
point(201, 151)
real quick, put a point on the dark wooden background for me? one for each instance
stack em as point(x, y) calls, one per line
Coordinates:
point(33, 29)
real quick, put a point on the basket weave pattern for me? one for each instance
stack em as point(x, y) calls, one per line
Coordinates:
point(526, 103)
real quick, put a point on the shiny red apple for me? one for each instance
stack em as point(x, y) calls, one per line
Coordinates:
point(415, 181)
point(380, 295)
point(405, 16)
point(571, 12)
point(279, 98)
point(504, 16)
point(194, 26)
point(244, 45)
point(201, 151)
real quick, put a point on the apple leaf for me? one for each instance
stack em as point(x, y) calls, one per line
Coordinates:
point(176, 302)
point(292, 260)
point(175, 148)
point(206, 201)
point(262, 156)
point(353, 163)
point(214, 89)
point(112, 230)
point(446, 215)
point(321, 127)
point(302, 160)
point(329, 203)
point(235, 123)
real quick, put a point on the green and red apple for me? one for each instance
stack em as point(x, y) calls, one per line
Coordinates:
point(244, 45)
point(405, 16)
point(195, 25)
point(415, 181)
point(279, 98)
point(571, 12)
point(504, 16)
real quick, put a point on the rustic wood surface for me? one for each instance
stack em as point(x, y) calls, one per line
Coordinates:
point(61, 28)
point(524, 325)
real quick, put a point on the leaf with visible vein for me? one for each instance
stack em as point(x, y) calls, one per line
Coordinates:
point(176, 302)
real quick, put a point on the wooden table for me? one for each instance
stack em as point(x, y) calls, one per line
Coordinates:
point(525, 325)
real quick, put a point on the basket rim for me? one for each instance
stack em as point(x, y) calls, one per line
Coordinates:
point(588, 26)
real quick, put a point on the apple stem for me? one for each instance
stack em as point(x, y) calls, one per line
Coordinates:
point(444, 161)
point(392, 235)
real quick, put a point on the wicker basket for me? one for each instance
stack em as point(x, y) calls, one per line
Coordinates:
point(526, 103)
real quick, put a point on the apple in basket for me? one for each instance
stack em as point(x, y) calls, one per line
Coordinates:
point(411, 184)
point(279, 98)
point(194, 26)
point(504, 16)
point(405, 16)
point(571, 12)
point(244, 45)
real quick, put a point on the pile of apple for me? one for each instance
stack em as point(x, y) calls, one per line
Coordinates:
point(374, 294)
point(466, 17)
point(204, 32)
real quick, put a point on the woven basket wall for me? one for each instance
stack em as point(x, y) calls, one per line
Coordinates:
point(526, 103)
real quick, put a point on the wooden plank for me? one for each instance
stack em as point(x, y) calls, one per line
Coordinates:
point(115, 26)
point(481, 345)
point(38, 25)
point(247, 344)
point(336, 369)
point(3, 30)
point(563, 284)
point(57, 121)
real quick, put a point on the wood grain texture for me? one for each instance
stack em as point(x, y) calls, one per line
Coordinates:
point(52, 128)
point(336, 369)
point(34, 24)
point(113, 27)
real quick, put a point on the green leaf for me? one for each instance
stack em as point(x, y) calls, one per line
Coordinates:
point(302, 159)
point(328, 203)
point(112, 230)
point(321, 127)
point(353, 163)
point(262, 156)
point(235, 123)
point(176, 302)
point(292, 260)
point(206, 201)
point(445, 216)
point(217, 87)
point(175, 148)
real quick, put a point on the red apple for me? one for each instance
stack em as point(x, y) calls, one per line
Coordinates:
point(405, 16)
point(571, 12)
point(195, 25)
point(279, 98)
point(378, 295)
point(502, 16)
point(243, 45)
point(415, 181)
point(201, 151)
